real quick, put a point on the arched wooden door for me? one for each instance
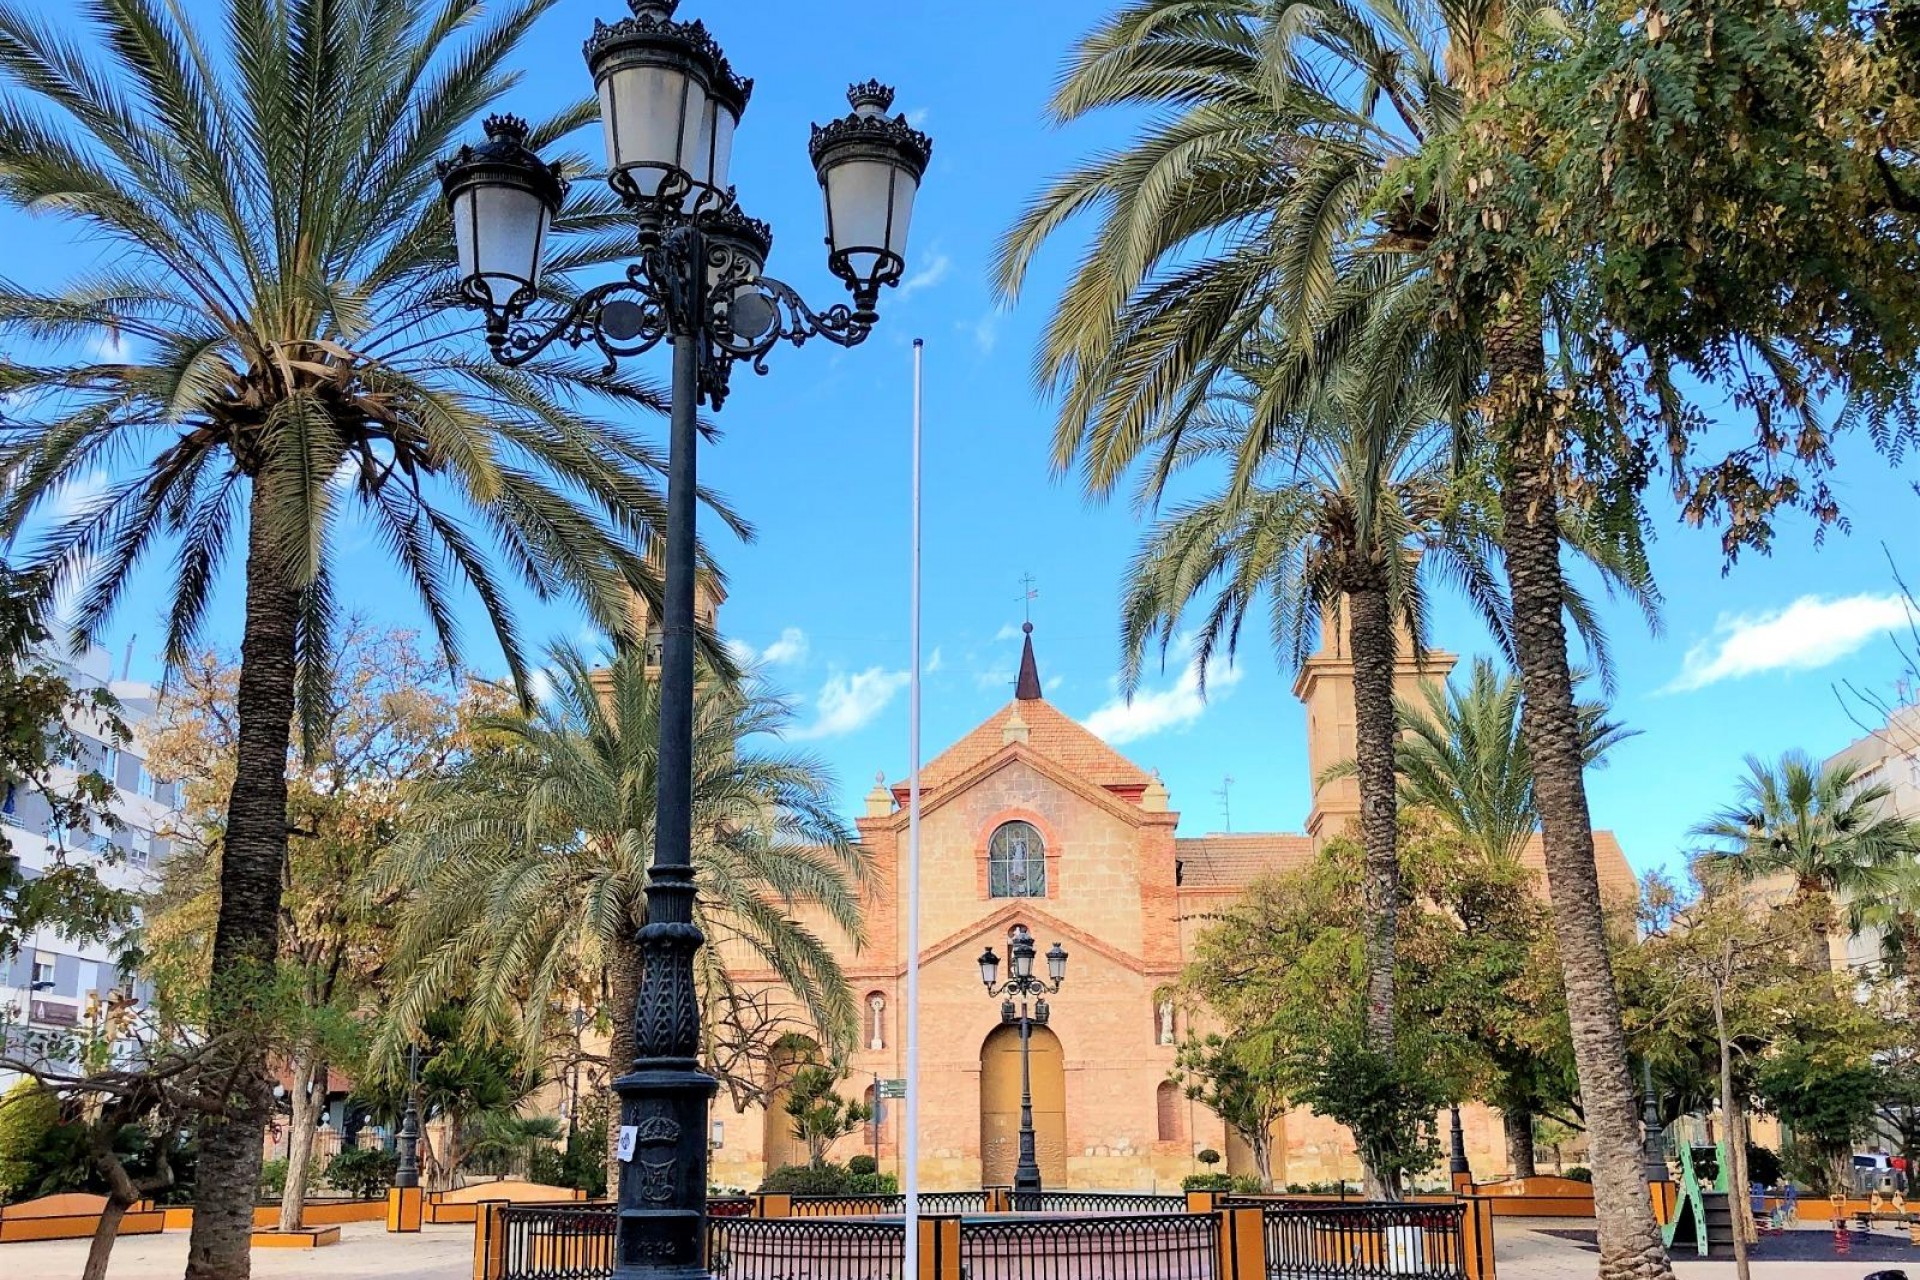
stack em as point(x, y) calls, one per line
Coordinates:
point(1000, 1107)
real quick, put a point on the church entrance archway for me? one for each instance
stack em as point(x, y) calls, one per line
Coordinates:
point(780, 1146)
point(1000, 1107)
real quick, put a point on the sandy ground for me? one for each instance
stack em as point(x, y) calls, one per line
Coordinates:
point(367, 1252)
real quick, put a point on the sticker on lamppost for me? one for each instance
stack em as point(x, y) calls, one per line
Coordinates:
point(629, 1136)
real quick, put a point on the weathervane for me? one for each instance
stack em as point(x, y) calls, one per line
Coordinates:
point(1027, 595)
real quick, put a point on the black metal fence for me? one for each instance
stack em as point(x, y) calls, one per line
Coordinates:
point(1371, 1241)
point(950, 1202)
point(804, 1249)
point(552, 1242)
point(1160, 1246)
point(1104, 1202)
point(849, 1206)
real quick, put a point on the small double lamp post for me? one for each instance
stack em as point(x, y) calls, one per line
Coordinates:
point(1023, 1004)
point(669, 105)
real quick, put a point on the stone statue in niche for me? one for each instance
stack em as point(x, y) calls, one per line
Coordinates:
point(877, 1037)
point(1166, 1022)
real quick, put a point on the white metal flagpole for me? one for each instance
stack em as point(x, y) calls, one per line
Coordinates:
point(911, 1136)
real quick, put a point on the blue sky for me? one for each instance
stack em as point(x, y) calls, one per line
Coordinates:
point(816, 454)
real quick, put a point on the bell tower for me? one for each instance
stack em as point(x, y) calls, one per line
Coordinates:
point(708, 596)
point(1325, 687)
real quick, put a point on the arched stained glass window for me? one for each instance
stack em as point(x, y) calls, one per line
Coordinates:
point(1016, 862)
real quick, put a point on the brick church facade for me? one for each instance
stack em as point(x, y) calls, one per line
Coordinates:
point(1030, 819)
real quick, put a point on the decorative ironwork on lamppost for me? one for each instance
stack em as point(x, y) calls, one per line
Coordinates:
point(1024, 1005)
point(669, 105)
point(1654, 1157)
point(407, 1172)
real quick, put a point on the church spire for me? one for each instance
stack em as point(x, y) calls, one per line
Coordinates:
point(1028, 690)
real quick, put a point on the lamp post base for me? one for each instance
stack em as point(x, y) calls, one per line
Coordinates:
point(661, 1232)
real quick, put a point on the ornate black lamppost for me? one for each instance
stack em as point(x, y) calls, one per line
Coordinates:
point(669, 104)
point(1024, 1005)
point(1457, 1165)
point(407, 1172)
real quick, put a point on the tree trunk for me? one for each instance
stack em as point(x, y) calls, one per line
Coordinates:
point(1519, 1127)
point(1371, 641)
point(1818, 956)
point(100, 1250)
point(1630, 1244)
point(246, 933)
point(306, 1115)
point(1737, 1194)
point(1262, 1146)
point(623, 971)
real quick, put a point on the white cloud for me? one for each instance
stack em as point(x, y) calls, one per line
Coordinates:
point(791, 647)
point(917, 117)
point(78, 494)
point(1007, 631)
point(1152, 710)
point(938, 267)
point(110, 347)
point(849, 702)
point(935, 662)
point(985, 332)
point(1000, 675)
point(1807, 634)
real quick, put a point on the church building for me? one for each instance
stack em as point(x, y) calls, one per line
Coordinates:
point(1031, 820)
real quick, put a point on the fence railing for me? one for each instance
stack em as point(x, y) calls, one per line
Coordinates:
point(1161, 1246)
point(804, 1249)
point(551, 1242)
point(1365, 1241)
point(849, 1206)
point(1267, 1239)
point(1103, 1202)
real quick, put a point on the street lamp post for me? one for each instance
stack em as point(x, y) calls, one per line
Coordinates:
point(1654, 1158)
point(669, 105)
point(407, 1172)
point(1024, 1004)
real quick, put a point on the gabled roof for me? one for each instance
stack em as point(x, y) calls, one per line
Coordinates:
point(1236, 861)
point(1051, 734)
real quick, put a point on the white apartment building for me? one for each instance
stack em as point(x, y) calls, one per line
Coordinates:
point(1890, 756)
point(52, 981)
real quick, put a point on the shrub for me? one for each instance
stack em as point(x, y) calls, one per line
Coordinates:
point(827, 1179)
point(364, 1173)
point(273, 1178)
point(873, 1184)
point(29, 1117)
point(1208, 1157)
point(1580, 1173)
point(1207, 1182)
point(1246, 1184)
point(862, 1165)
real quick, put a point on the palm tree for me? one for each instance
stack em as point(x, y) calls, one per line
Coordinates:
point(261, 352)
point(1462, 757)
point(1827, 831)
point(1296, 164)
point(529, 861)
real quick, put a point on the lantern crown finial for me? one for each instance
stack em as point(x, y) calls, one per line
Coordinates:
point(872, 94)
point(506, 127)
point(653, 8)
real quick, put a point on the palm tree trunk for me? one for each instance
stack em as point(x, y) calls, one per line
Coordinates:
point(306, 1116)
point(1630, 1245)
point(1818, 955)
point(1372, 643)
point(1519, 1128)
point(247, 932)
point(623, 983)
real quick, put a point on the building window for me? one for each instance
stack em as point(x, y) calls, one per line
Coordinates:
point(139, 847)
point(147, 782)
point(42, 971)
point(1016, 862)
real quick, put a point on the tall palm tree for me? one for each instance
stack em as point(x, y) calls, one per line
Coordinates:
point(528, 863)
point(1827, 831)
point(1297, 162)
point(261, 352)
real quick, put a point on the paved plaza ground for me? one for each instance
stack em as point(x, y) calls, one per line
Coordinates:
point(367, 1252)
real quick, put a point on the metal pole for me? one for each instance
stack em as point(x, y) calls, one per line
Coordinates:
point(1654, 1157)
point(1026, 1177)
point(910, 1127)
point(661, 1230)
point(1457, 1161)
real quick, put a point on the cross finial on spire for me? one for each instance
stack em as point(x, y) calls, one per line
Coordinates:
point(1026, 597)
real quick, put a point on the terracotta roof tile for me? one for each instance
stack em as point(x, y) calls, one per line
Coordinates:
point(1236, 861)
point(1050, 733)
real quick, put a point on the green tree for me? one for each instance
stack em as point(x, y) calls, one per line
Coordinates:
point(263, 347)
point(821, 1117)
point(1824, 830)
point(1244, 1087)
point(1295, 164)
point(28, 1117)
point(525, 866)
